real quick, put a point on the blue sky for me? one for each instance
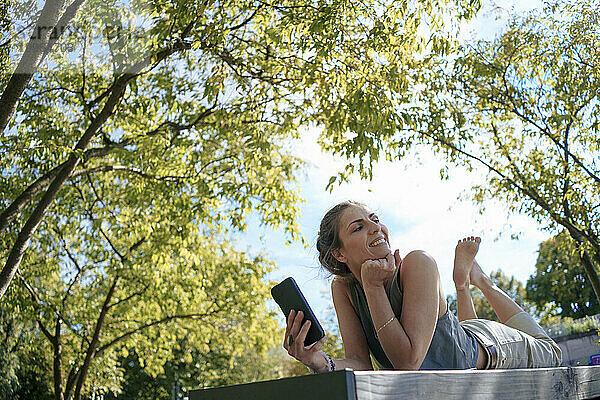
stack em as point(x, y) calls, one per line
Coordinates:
point(420, 210)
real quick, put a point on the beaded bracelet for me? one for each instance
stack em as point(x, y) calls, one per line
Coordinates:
point(328, 360)
point(330, 363)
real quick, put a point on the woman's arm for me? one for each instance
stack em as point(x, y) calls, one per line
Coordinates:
point(407, 340)
point(355, 344)
point(356, 349)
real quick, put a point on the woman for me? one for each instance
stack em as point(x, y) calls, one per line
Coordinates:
point(395, 309)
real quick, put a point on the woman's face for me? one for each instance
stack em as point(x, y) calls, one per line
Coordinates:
point(363, 238)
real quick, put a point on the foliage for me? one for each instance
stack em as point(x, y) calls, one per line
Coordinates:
point(148, 134)
point(216, 367)
point(137, 384)
point(198, 294)
point(559, 284)
point(510, 286)
point(10, 336)
point(34, 376)
point(23, 364)
point(524, 106)
point(556, 326)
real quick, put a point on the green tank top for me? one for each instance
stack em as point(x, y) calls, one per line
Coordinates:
point(452, 347)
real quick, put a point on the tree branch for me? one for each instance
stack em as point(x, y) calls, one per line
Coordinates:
point(133, 170)
point(118, 339)
point(131, 296)
point(180, 127)
point(36, 304)
point(104, 234)
point(543, 130)
point(74, 261)
point(246, 21)
point(533, 196)
point(117, 93)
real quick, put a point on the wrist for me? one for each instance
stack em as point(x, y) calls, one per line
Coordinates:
point(324, 364)
point(373, 287)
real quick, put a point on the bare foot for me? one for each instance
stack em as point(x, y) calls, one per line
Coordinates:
point(464, 257)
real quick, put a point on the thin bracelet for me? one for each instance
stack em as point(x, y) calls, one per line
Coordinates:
point(386, 324)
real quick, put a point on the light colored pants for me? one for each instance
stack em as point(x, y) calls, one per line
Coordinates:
point(520, 342)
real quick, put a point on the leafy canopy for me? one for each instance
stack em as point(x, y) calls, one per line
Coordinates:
point(149, 133)
point(524, 106)
point(559, 285)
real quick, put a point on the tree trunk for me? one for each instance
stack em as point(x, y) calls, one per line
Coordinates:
point(91, 352)
point(58, 393)
point(16, 254)
point(588, 264)
point(117, 92)
point(31, 59)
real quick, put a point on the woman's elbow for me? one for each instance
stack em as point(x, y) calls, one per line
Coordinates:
point(411, 363)
point(407, 366)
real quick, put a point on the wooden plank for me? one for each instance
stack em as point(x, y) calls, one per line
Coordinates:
point(576, 383)
point(588, 381)
point(544, 383)
point(338, 385)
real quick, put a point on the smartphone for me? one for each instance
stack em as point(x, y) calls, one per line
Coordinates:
point(289, 297)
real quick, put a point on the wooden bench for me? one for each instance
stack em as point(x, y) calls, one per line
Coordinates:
point(516, 384)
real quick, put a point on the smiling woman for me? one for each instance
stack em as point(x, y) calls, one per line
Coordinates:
point(395, 310)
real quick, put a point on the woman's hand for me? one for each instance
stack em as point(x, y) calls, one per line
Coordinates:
point(375, 273)
point(294, 343)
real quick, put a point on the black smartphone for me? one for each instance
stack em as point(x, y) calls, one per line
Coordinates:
point(289, 297)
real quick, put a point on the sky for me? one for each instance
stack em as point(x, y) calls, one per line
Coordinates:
point(420, 210)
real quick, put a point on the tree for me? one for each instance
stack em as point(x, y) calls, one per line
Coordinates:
point(559, 284)
point(23, 364)
point(145, 138)
point(215, 367)
point(524, 106)
point(510, 286)
point(201, 95)
point(199, 295)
